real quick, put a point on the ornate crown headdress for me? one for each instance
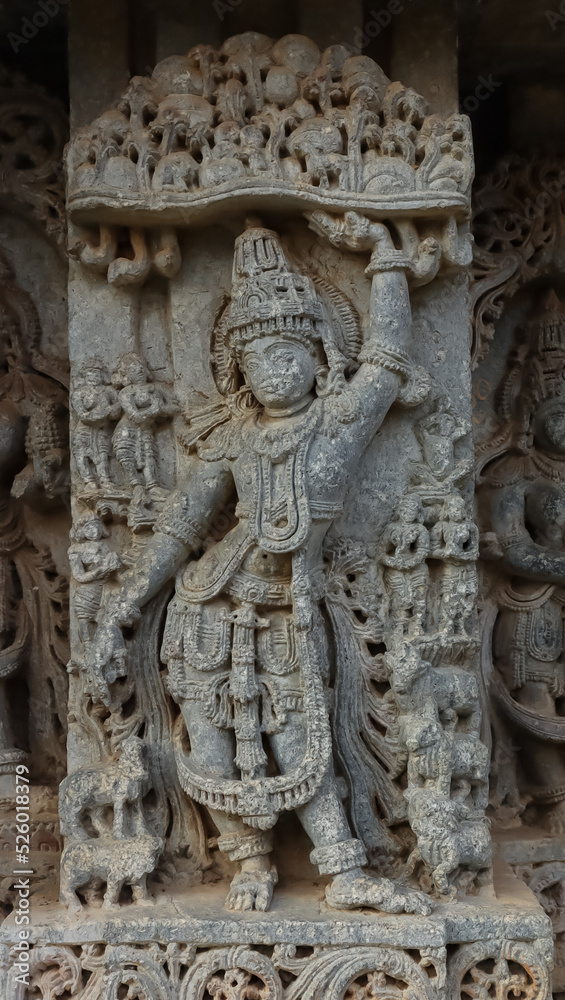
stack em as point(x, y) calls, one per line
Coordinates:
point(269, 297)
point(535, 374)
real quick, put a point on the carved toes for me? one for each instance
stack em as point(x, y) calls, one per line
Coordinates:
point(355, 890)
point(251, 891)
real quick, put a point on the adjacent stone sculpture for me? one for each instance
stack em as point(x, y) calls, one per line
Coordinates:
point(35, 470)
point(523, 486)
point(519, 342)
point(34, 480)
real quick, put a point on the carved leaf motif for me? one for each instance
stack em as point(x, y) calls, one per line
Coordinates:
point(232, 974)
point(237, 984)
point(518, 227)
point(57, 971)
point(33, 131)
point(362, 974)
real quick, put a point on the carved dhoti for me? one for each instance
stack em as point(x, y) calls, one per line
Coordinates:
point(243, 657)
point(94, 443)
point(528, 647)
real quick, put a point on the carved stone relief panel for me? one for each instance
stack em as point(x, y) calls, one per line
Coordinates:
point(285, 336)
point(273, 696)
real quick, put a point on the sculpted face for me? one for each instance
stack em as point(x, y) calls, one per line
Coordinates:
point(279, 372)
point(549, 426)
point(409, 509)
point(93, 530)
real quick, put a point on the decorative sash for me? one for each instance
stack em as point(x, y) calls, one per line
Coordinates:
point(255, 798)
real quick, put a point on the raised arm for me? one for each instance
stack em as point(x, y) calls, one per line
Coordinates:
point(386, 371)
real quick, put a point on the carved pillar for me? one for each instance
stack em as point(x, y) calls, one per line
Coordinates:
point(34, 479)
point(519, 329)
point(273, 687)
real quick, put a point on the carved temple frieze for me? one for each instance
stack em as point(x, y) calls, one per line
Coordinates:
point(253, 122)
point(257, 119)
point(277, 726)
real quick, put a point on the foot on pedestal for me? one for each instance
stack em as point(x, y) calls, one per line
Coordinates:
point(354, 889)
point(252, 888)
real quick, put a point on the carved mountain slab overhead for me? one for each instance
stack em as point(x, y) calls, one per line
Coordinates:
point(259, 119)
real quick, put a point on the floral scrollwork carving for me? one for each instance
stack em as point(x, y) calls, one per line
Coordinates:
point(498, 969)
point(518, 230)
point(33, 131)
point(232, 974)
point(362, 974)
point(158, 971)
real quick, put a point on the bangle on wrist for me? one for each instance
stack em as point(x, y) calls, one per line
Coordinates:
point(394, 361)
point(387, 260)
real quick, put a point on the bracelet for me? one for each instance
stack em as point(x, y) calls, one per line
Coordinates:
point(393, 361)
point(389, 260)
point(176, 523)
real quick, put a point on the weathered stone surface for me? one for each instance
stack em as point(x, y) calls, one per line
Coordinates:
point(277, 752)
point(301, 949)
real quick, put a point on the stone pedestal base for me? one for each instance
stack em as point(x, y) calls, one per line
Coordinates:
point(539, 859)
point(497, 944)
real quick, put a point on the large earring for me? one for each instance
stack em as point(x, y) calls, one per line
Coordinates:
point(330, 380)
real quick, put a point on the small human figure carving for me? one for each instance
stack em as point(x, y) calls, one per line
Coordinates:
point(439, 472)
point(92, 563)
point(119, 784)
point(405, 548)
point(96, 405)
point(143, 404)
point(455, 540)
